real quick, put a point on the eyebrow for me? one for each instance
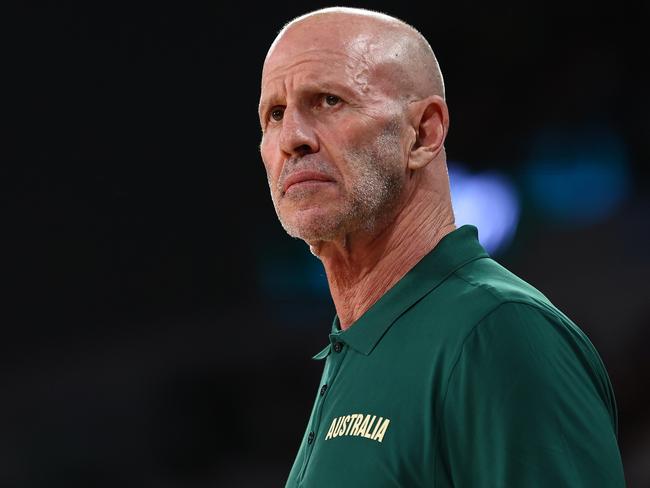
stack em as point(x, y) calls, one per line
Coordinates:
point(321, 86)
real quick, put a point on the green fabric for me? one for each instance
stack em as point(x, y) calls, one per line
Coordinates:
point(461, 375)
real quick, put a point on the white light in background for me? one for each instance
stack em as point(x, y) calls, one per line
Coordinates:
point(488, 200)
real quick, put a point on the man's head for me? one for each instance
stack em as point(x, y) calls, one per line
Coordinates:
point(352, 112)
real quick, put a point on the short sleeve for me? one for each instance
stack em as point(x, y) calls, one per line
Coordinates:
point(529, 404)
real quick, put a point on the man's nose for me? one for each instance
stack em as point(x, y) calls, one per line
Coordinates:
point(297, 137)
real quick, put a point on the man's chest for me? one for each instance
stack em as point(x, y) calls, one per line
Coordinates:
point(372, 424)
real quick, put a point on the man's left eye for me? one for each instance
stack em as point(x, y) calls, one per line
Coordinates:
point(332, 99)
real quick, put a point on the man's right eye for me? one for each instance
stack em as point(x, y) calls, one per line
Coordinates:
point(277, 113)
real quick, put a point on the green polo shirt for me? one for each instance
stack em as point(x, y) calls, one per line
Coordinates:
point(461, 375)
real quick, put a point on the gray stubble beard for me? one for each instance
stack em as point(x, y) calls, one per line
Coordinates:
point(372, 199)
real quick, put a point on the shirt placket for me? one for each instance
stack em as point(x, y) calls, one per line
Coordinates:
point(333, 363)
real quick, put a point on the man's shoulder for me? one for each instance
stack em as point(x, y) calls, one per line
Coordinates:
point(488, 283)
point(492, 283)
point(513, 310)
point(480, 292)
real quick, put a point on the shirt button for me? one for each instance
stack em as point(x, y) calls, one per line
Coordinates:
point(323, 389)
point(310, 439)
point(338, 346)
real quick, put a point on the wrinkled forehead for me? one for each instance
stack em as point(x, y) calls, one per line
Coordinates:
point(326, 37)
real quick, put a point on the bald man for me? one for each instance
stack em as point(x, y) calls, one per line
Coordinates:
point(442, 368)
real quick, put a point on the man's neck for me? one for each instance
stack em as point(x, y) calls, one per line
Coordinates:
point(360, 269)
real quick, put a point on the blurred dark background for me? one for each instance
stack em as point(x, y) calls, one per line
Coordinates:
point(157, 324)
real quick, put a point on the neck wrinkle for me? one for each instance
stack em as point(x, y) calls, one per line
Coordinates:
point(360, 273)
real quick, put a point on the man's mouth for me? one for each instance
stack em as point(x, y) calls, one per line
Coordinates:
point(305, 177)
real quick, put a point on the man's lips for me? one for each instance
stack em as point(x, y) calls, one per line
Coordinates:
point(302, 176)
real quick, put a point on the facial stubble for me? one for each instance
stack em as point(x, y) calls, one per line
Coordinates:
point(373, 193)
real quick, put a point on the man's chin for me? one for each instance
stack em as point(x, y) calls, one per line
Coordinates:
point(313, 226)
point(312, 234)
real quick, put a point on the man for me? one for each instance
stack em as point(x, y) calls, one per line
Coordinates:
point(443, 368)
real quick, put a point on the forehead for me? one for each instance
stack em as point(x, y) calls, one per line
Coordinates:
point(330, 34)
point(317, 52)
point(315, 67)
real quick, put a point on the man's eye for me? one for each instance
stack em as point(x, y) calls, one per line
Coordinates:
point(332, 99)
point(277, 113)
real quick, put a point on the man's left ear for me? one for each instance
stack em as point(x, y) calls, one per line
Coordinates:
point(430, 118)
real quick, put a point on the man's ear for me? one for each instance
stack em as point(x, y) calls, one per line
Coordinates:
point(430, 119)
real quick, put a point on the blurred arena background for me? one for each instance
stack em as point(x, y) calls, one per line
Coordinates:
point(157, 324)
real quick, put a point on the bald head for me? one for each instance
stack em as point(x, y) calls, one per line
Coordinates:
point(391, 49)
point(352, 102)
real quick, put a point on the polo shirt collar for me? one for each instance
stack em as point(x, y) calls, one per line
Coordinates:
point(456, 249)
